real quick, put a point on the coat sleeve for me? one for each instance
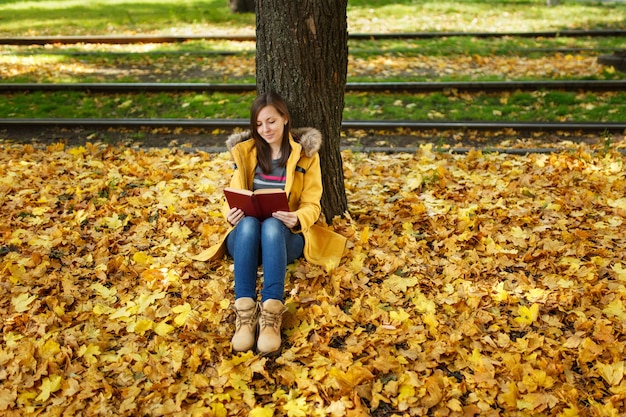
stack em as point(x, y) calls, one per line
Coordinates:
point(309, 208)
point(236, 181)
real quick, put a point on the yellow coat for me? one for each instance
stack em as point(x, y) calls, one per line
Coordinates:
point(322, 246)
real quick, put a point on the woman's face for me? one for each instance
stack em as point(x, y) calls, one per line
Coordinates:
point(270, 125)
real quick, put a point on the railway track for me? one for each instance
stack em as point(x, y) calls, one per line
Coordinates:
point(573, 85)
point(119, 40)
point(354, 51)
point(381, 125)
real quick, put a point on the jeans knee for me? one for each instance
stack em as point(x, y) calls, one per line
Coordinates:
point(248, 226)
point(272, 228)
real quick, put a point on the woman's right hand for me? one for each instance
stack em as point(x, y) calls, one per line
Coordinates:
point(234, 216)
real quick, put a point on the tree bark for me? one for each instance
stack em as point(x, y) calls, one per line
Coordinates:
point(241, 6)
point(617, 61)
point(302, 54)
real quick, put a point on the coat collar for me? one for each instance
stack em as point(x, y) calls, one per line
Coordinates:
point(309, 138)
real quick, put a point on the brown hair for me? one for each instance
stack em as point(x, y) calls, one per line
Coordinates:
point(264, 152)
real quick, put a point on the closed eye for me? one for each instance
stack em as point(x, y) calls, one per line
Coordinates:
point(271, 122)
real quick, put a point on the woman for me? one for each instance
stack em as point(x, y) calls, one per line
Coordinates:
point(269, 156)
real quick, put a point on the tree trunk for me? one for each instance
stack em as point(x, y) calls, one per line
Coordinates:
point(617, 61)
point(241, 6)
point(302, 54)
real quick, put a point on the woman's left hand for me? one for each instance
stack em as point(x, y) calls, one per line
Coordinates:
point(289, 218)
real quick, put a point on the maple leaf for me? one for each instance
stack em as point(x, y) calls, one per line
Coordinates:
point(620, 271)
point(399, 316)
point(537, 378)
point(509, 395)
point(77, 151)
point(22, 302)
point(100, 309)
point(589, 350)
point(612, 373)
point(537, 402)
point(113, 222)
point(90, 353)
point(11, 339)
point(162, 328)
point(407, 392)
point(527, 315)
point(616, 308)
point(50, 349)
point(500, 294)
point(184, 313)
point(49, 386)
point(125, 313)
point(400, 284)
point(146, 300)
point(7, 398)
point(424, 304)
point(413, 182)
point(266, 411)
point(350, 379)
point(619, 203)
point(18, 272)
point(142, 258)
point(107, 294)
point(140, 326)
point(297, 407)
point(433, 386)
point(569, 412)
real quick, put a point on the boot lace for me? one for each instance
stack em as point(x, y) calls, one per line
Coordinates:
point(246, 317)
point(268, 319)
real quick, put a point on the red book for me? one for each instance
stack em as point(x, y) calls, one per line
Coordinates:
point(260, 203)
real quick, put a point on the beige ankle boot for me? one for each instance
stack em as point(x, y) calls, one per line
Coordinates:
point(269, 327)
point(247, 311)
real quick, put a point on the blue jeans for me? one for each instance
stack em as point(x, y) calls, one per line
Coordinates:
point(269, 243)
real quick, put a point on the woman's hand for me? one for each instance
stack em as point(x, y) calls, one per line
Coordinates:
point(234, 216)
point(289, 218)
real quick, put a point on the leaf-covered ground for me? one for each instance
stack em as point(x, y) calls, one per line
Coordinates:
point(232, 68)
point(477, 284)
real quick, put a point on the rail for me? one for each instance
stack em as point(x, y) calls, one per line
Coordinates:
point(119, 40)
point(347, 124)
point(572, 85)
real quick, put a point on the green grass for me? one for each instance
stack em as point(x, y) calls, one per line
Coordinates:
point(447, 46)
point(481, 16)
point(521, 106)
point(74, 17)
point(157, 105)
point(456, 45)
point(78, 17)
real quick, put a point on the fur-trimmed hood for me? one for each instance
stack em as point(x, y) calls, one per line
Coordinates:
point(309, 138)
